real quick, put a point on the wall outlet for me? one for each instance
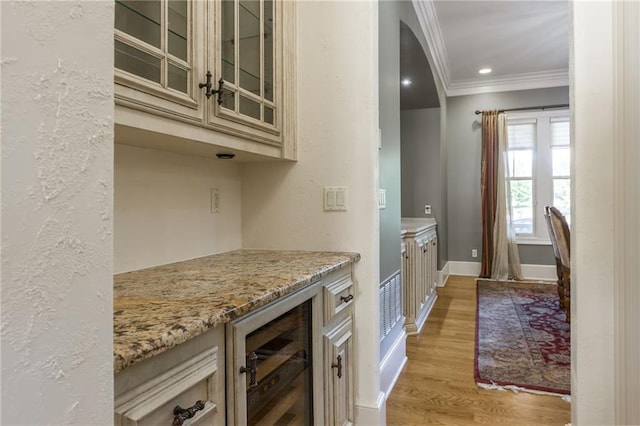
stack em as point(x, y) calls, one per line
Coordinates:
point(215, 200)
point(474, 252)
point(427, 209)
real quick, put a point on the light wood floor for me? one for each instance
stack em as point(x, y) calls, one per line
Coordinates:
point(437, 384)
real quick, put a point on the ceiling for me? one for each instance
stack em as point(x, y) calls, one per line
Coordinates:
point(525, 43)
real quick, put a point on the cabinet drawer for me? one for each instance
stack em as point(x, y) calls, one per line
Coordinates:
point(338, 295)
point(153, 402)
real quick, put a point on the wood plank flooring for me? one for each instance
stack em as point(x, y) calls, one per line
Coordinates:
point(437, 384)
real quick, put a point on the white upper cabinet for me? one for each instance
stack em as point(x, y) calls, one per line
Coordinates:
point(158, 57)
point(222, 71)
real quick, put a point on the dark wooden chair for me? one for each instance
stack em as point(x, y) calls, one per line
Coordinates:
point(556, 255)
point(561, 241)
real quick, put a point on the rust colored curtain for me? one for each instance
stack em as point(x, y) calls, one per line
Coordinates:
point(488, 186)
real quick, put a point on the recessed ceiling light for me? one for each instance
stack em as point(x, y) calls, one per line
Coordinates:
point(484, 70)
point(406, 82)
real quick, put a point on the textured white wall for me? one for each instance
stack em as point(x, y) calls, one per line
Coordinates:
point(57, 182)
point(592, 232)
point(162, 208)
point(337, 127)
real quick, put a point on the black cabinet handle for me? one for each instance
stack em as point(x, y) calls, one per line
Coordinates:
point(208, 85)
point(346, 299)
point(252, 369)
point(182, 414)
point(338, 365)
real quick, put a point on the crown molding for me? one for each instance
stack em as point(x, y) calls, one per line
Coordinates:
point(535, 80)
point(428, 19)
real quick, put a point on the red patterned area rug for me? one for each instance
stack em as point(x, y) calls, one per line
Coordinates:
point(522, 338)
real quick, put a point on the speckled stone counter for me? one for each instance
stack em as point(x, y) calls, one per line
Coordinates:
point(158, 308)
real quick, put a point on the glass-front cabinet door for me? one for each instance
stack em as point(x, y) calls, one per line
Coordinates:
point(248, 49)
point(246, 54)
point(157, 59)
point(226, 65)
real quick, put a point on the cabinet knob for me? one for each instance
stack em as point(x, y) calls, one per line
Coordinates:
point(208, 85)
point(338, 365)
point(182, 414)
point(346, 299)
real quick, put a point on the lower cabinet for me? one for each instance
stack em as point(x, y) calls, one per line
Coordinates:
point(419, 268)
point(182, 386)
point(290, 362)
point(338, 347)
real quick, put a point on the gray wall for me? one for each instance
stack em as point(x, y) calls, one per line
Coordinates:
point(389, 161)
point(464, 145)
point(420, 152)
point(423, 165)
point(390, 15)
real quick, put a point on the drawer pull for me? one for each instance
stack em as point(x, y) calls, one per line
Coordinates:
point(346, 299)
point(338, 365)
point(252, 369)
point(182, 414)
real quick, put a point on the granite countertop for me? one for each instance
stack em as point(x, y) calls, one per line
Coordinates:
point(158, 308)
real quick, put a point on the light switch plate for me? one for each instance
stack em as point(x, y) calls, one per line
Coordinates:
point(335, 198)
point(382, 199)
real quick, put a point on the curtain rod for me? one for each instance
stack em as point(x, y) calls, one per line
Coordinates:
point(542, 107)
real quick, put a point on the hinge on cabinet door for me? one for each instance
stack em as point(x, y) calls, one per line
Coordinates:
point(208, 85)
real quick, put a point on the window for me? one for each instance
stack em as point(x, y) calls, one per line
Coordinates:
point(538, 170)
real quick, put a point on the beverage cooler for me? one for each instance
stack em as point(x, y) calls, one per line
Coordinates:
point(271, 377)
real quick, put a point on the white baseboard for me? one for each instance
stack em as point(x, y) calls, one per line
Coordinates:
point(529, 272)
point(367, 415)
point(392, 364)
point(470, 269)
point(443, 275)
point(422, 319)
point(539, 272)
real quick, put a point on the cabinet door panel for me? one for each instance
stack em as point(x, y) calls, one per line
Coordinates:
point(434, 262)
point(248, 53)
point(158, 57)
point(339, 374)
point(153, 402)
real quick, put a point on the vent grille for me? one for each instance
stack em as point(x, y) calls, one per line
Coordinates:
point(390, 304)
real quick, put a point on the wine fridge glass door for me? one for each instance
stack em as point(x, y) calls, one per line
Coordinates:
point(278, 370)
point(273, 375)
